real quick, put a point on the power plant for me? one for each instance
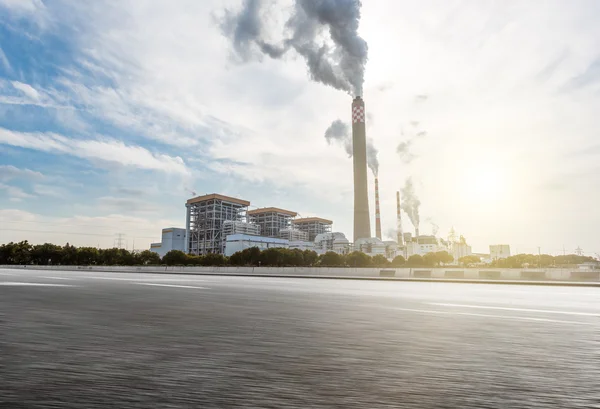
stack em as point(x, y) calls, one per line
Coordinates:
point(362, 222)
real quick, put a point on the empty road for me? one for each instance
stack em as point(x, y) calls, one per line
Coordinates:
point(97, 340)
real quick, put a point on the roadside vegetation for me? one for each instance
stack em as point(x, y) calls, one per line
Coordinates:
point(24, 253)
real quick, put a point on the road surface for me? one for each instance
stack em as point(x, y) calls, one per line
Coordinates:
point(97, 340)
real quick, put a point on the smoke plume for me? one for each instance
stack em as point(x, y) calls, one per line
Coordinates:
point(410, 202)
point(339, 132)
point(434, 227)
point(339, 63)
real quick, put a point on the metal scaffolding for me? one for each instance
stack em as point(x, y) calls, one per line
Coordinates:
point(313, 226)
point(206, 216)
point(271, 220)
point(293, 235)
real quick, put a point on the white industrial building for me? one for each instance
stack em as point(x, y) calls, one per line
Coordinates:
point(422, 245)
point(336, 242)
point(239, 242)
point(371, 246)
point(460, 249)
point(499, 251)
point(172, 238)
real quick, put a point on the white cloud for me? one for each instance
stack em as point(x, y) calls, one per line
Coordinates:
point(15, 194)
point(26, 89)
point(8, 172)
point(106, 150)
point(48, 190)
point(4, 61)
point(24, 6)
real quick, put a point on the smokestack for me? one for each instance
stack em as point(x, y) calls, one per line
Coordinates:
point(377, 211)
point(362, 222)
point(399, 220)
point(416, 231)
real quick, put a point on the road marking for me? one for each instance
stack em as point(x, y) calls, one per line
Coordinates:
point(138, 279)
point(14, 283)
point(6, 274)
point(506, 317)
point(55, 278)
point(173, 285)
point(490, 307)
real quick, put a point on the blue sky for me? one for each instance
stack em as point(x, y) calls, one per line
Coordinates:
point(112, 113)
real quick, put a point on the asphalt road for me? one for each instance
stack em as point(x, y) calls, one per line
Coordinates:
point(98, 340)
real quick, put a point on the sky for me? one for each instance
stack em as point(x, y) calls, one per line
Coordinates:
point(113, 114)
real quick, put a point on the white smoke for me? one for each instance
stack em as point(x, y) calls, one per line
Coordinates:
point(410, 202)
point(339, 132)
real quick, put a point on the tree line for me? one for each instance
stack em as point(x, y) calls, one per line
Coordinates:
point(24, 253)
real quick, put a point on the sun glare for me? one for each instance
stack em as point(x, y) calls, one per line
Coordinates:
point(488, 183)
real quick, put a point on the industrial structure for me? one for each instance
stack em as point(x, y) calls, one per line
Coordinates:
point(205, 220)
point(377, 210)
point(313, 226)
point(336, 242)
point(362, 223)
point(271, 220)
point(499, 251)
point(172, 238)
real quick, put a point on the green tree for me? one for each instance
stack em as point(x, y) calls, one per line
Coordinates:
point(398, 261)
point(430, 259)
point(415, 261)
point(331, 259)
point(87, 256)
point(468, 261)
point(47, 253)
point(443, 257)
point(358, 259)
point(310, 258)
point(214, 260)
point(147, 257)
point(379, 260)
point(175, 258)
point(21, 253)
point(69, 255)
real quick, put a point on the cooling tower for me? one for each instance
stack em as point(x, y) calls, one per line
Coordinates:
point(362, 222)
point(377, 211)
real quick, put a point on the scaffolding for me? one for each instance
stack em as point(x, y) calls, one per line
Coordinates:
point(293, 235)
point(313, 226)
point(236, 227)
point(271, 220)
point(206, 217)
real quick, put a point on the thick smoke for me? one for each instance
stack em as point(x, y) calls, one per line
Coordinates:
point(410, 202)
point(339, 132)
point(339, 64)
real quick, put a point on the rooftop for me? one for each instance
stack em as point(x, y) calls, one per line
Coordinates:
point(272, 210)
point(215, 196)
point(312, 220)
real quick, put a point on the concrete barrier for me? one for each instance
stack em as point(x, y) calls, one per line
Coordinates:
point(474, 274)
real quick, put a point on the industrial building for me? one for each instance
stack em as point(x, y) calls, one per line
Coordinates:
point(206, 218)
point(371, 246)
point(313, 226)
point(272, 220)
point(239, 242)
point(336, 242)
point(499, 251)
point(421, 245)
point(172, 238)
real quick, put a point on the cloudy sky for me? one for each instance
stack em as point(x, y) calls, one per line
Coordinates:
point(113, 113)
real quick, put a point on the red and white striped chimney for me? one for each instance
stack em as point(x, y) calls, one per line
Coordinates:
point(377, 211)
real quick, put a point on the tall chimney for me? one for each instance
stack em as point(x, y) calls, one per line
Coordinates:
point(399, 220)
point(362, 222)
point(377, 210)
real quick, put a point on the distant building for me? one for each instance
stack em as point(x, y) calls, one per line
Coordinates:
point(371, 246)
point(422, 245)
point(293, 235)
point(173, 238)
point(499, 251)
point(239, 242)
point(271, 220)
point(336, 242)
point(313, 226)
point(460, 249)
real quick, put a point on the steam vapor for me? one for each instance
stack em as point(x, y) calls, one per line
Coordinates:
point(339, 132)
point(410, 202)
point(339, 63)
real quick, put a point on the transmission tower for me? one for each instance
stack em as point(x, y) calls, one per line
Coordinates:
point(119, 240)
point(579, 251)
